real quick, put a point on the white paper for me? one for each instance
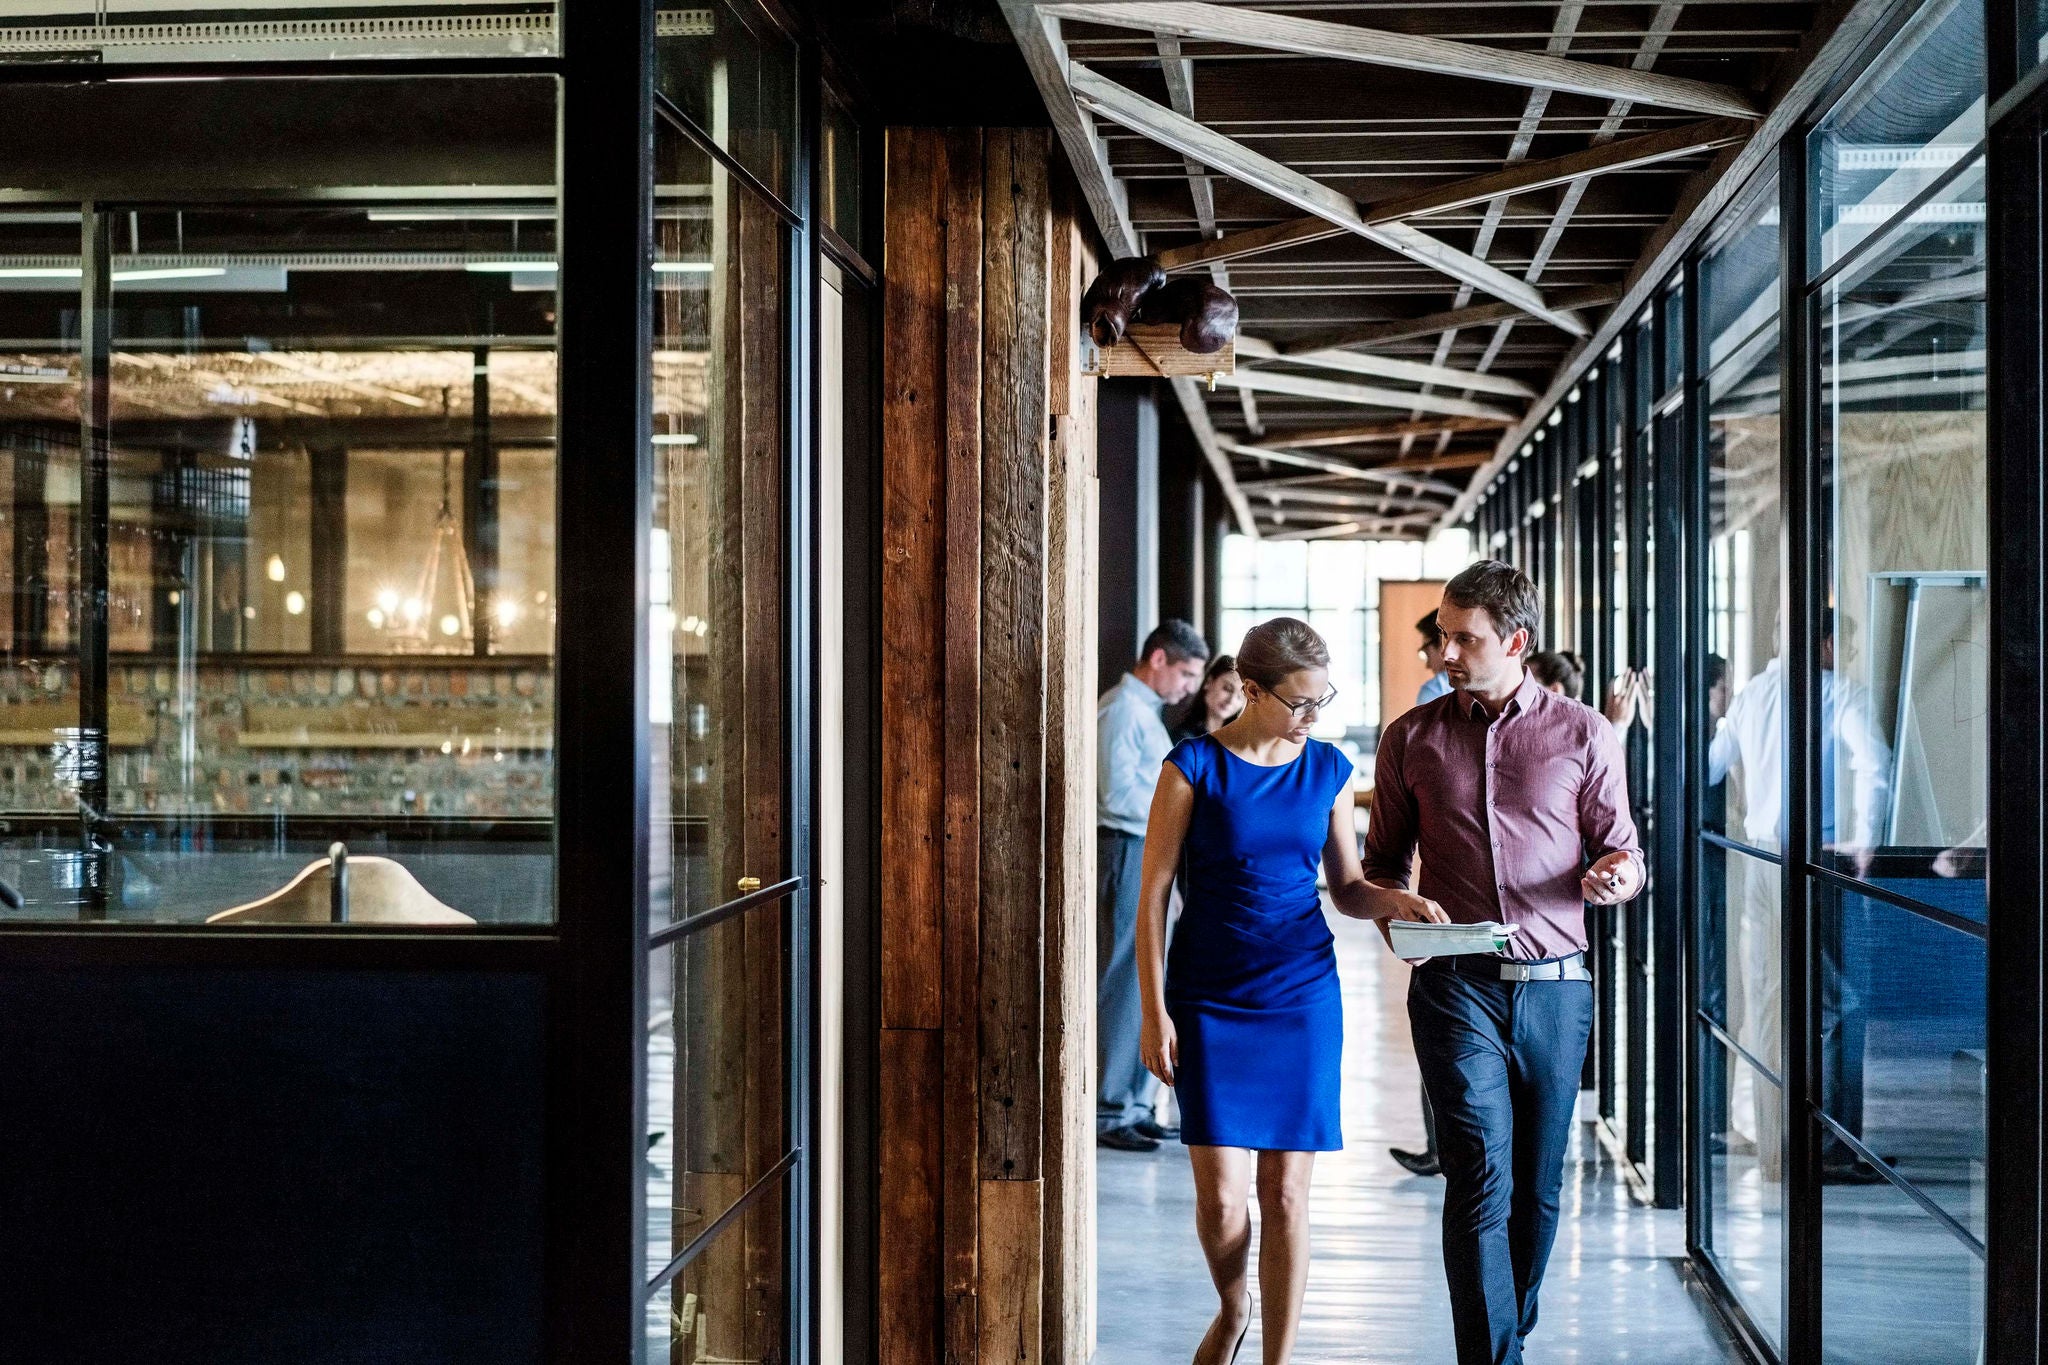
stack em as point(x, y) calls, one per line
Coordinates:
point(1415, 940)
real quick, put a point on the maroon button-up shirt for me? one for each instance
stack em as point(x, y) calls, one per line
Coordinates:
point(1507, 813)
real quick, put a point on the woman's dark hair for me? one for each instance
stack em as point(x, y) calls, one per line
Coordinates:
point(1218, 666)
point(1429, 630)
point(1273, 649)
point(1505, 593)
point(1717, 669)
point(1192, 718)
point(1559, 667)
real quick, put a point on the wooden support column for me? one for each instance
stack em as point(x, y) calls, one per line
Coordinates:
point(985, 1179)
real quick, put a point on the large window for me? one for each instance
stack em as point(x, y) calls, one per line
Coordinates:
point(1334, 586)
point(285, 577)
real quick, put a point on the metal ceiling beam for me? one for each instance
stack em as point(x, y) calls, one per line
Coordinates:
point(1451, 320)
point(1391, 478)
point(1366, 395)
point(1840, 33)
point(1385, 367)
point(1045, 54)
point(1100, 95)
point(1197, 412)
point(1387, 501)
point(1380, 431)
point(1413, 52)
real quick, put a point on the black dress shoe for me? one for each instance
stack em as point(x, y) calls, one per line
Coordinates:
point(1416, 1163)
point(1125, 1140)
point(1854, 1173)
point(1158, 1132)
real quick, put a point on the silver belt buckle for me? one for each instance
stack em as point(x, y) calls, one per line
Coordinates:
point(1517, 971)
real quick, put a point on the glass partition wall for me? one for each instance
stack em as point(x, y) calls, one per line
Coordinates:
point(390, 583)
point(1783, 518)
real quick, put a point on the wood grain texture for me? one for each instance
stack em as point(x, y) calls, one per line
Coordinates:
point(1012, 1289)
point(908, 1297)
point(1015, 263)
point(961, 226)
point(1069, 1049)
point(913, 595)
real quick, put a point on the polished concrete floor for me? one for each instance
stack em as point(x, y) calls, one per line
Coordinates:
point(1617, 1290)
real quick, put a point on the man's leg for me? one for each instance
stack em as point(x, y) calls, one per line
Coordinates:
point(1125, 1095)
point(1552, 1021)
point(1460, 1024)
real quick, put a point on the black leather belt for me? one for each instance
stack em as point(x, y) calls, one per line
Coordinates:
point(1572, 968)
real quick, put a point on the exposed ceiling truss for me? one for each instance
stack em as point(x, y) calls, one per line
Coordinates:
point(1393, 201)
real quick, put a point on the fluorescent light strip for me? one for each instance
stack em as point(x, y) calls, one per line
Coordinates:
point(525, 267)
point(177, 272)
point(72, 272)
point(682, 439)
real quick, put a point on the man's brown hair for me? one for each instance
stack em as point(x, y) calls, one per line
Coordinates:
point(1505, 593)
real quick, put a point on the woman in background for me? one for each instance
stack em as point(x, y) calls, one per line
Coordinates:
point(1216, 702)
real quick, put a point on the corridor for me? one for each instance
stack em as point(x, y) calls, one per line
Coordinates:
point(1617, 1289)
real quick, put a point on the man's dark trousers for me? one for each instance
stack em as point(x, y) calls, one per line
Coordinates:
point(1502, 1062)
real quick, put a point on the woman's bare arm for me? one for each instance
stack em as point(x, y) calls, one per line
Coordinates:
point(1166, 830)
point(1351, 892)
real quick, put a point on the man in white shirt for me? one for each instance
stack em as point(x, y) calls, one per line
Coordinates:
point(1751, 737)
point(1131, 746)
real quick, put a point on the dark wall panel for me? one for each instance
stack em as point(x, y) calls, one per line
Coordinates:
point(249, 1167)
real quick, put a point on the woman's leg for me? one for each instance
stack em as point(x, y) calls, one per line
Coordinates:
point(1283, 1248)
point(1223, 1220)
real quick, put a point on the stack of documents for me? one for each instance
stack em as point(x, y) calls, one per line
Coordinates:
point(1412, 940)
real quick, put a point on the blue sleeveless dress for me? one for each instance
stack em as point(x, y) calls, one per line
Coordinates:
point(1251, 978)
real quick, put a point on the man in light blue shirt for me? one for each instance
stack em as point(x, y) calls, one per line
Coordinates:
point(1432, 659)
point(1131, 746)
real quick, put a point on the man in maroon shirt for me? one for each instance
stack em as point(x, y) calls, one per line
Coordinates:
point(1517, 800)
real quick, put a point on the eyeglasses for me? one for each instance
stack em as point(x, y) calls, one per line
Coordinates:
point(1300, 708)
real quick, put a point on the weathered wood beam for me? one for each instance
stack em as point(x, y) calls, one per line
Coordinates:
point(1450, 320)
point(1523, 177)
point(1045, 54)
point(1101, 95)
point(1251, 242)
point(1413, 52)
point(1366, 395)
point(1386, 367)
point(1380, 431)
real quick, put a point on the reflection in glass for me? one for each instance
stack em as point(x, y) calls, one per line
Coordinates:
point(1745, 699)
point(1902, 1015)
point(329, 551)
point(728, 67)
point(1739, 276)
point(1896, 1285)
point(1903, 653)
point(839, 171)
point(1915, 113)
point(1740, 916)
point(1744, 1229)
point(716, 1050)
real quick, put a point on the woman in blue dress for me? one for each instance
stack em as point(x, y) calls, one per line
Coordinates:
point(1244, 1019)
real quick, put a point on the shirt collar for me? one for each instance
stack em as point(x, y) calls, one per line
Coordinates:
point(1524, 697)
point(1138, 688)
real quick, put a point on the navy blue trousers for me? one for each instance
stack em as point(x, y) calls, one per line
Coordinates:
point(1501, 1062)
